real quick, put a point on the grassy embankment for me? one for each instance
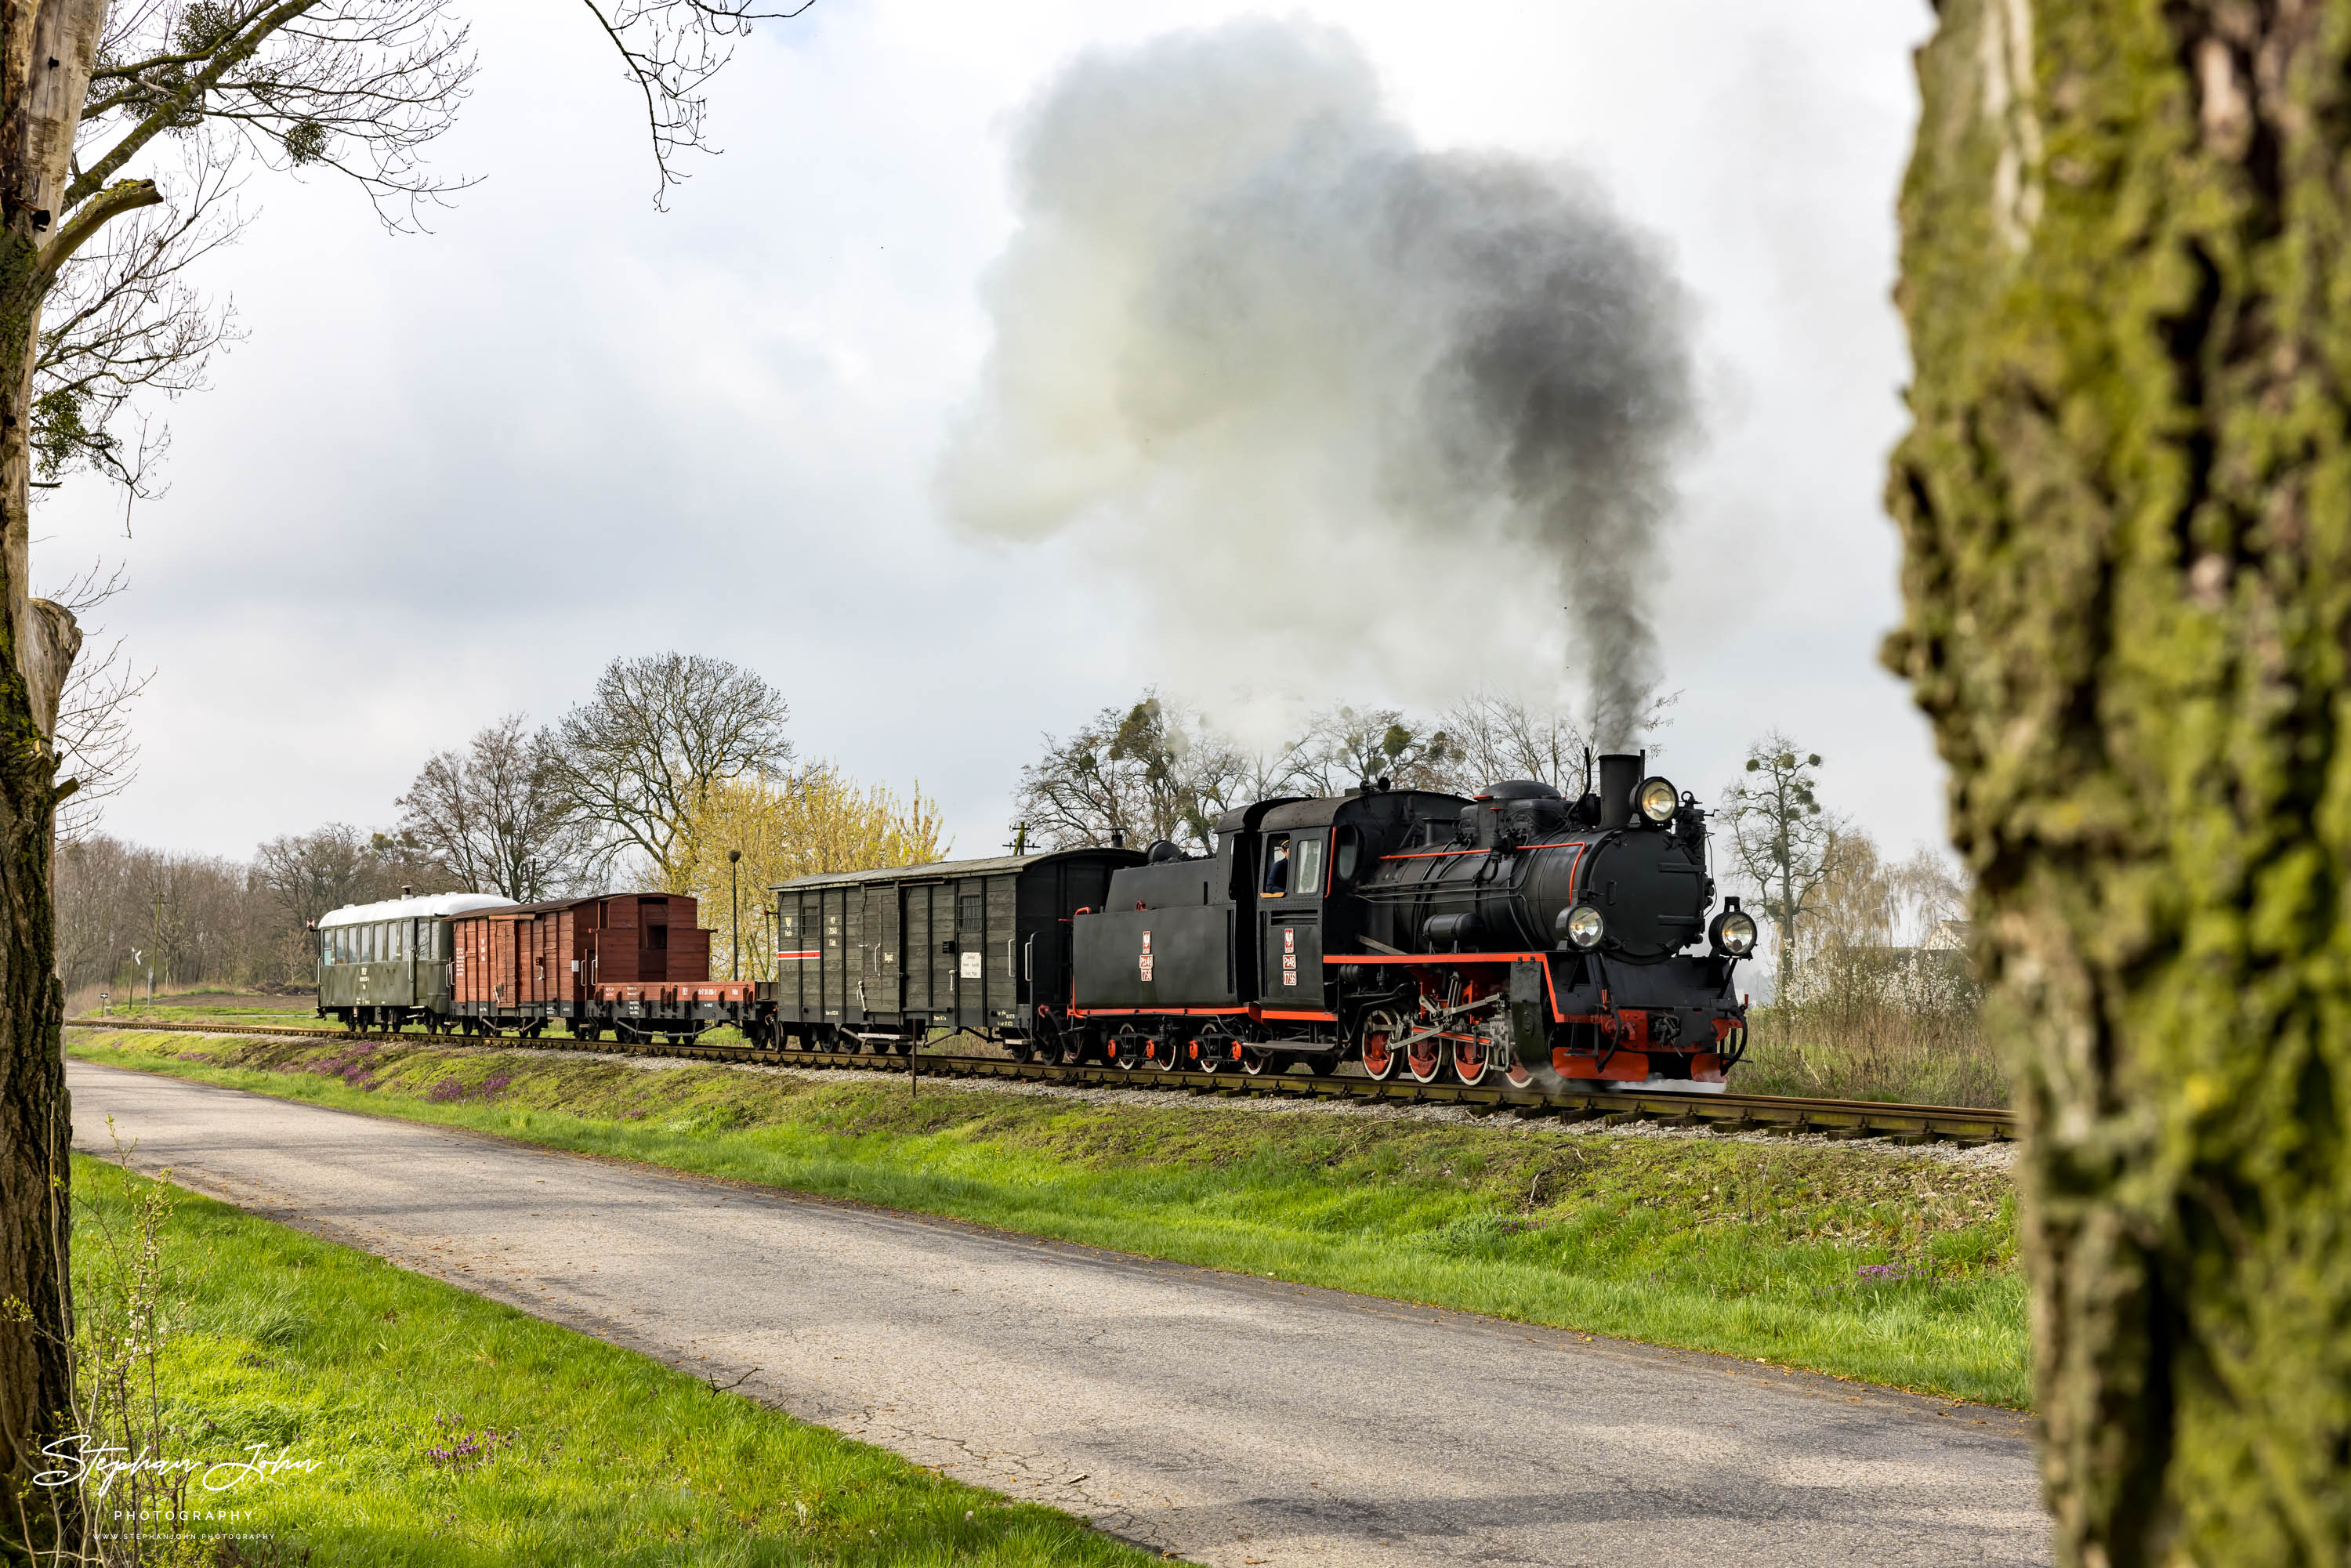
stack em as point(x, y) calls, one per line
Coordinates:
point(452, 1430)
point(1899, 1270)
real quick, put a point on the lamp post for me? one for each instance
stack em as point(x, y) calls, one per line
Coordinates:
point(155, 946)
point(735, 888)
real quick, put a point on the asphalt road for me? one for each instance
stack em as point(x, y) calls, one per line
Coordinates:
point(1227, 1419)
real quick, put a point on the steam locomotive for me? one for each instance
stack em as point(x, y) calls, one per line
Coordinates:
point(1499, 938)
point(1414, 933)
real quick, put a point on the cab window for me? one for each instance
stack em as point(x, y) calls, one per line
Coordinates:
point(1346, 848)
point(1277, 865)
point(1308, 876)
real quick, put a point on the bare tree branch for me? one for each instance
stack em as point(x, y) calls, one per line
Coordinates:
point(671, 49)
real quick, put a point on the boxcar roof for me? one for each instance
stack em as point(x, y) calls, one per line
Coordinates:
point(504, 911)
point(438, 903)
point(948, 868)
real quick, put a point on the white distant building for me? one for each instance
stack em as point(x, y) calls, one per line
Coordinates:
point(1949, 937)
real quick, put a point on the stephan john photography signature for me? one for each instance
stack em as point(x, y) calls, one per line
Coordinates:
point(80, 1460)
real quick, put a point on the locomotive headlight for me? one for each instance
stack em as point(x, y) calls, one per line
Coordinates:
point(1582, 926)
point(1655, 799)
point(1734, 933)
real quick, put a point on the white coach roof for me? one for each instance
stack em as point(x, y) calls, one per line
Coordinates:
point(412, 908)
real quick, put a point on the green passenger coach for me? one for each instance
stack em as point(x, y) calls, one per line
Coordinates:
point(384, 964)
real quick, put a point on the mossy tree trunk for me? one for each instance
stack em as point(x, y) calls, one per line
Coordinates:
point(45, 52)
point(2127, 507)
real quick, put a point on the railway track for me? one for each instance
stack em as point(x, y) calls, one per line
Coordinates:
point(1726, 1112)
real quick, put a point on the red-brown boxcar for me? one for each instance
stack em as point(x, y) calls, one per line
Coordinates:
point(595, 961)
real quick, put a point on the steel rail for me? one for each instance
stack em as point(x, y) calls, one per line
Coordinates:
point(1724, 1113)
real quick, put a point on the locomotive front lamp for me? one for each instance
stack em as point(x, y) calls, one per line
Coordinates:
point(1733, 933)
point(1582, 926)
point(1655, 800)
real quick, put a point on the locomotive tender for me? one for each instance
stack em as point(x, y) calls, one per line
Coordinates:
point(1411, 932)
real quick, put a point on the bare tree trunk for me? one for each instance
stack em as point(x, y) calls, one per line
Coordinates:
point(44, 73)
point(2126, 507)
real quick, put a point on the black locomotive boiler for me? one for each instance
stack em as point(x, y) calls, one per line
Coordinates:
point(1416, 933)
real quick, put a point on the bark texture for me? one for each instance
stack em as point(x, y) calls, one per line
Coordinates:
point(45, 52)
point(2127, 507)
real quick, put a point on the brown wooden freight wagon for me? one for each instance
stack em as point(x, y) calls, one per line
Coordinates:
point(540, 961)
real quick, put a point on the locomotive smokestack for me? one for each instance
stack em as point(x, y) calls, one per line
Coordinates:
point(1246, 317)
point(1620, 775)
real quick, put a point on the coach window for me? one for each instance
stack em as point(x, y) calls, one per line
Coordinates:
point(1309, 855)
point(1277, 865)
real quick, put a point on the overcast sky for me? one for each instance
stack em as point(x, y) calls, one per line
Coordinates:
point(448, 476)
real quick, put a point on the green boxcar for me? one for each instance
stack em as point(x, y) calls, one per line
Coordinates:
point(884, 958)
point(381, 966)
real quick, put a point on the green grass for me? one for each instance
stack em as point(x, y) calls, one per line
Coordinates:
point(1898, 1270)
point(331, 1355)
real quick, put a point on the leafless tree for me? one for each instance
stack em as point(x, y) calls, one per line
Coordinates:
point(123, 320)
point(493, 818)
point(634, 763)
point(90, 90)
point(1346, 747)
point(98, 754)
point(1153, 770)
point(1779, 838)
point(305, 875)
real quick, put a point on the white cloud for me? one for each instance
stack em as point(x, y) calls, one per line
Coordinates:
point(450, 475)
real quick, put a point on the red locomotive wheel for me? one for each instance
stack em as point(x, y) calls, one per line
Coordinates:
point(1424, 1059)
point(1470, 1061)
point(1379, 1060)
point(1518, 1074)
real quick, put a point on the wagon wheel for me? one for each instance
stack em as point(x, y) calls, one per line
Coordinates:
point(1424, 1059)
point(1126, 1047)
point(1045, 1049)
point(1379, 1027)
point(1470, 1061)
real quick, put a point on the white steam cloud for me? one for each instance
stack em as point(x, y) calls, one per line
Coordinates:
point(1348, 413)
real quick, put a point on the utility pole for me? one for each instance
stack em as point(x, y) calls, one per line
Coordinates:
point(735, 888)
point(1020, 844)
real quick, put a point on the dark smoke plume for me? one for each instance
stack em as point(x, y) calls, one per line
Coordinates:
point(1344, 409)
